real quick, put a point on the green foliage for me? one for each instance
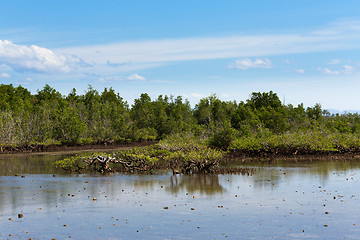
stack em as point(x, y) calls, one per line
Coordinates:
point(245, 120)
point(258, 123)
point(145, 134)
point(184, 152)
point(68, 164)
point(315, 112)
point(211, 111)
point(182, 141)
point(298, 142)
point(264, 100)
point(149, 155)
point(85, 141)
point(182, 147)
point(70, 126)
point(222, 137)
point(269, 110)
point(187, 147)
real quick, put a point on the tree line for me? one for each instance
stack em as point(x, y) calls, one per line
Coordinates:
point(48, 117)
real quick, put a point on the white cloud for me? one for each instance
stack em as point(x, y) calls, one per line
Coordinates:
point(32, 58)
point(247, 63)
point(198, 95)
point(136, 77)
point(162, 81)
point(114, 64)
point(339, 26)
point(328, 71)
point(299, 70)
point(151, 53)
point(25, 81)
point(132, 56)
point(347, 69)
point(289, 61)
point(108, 79)
point(4, 75)
point(335, 61)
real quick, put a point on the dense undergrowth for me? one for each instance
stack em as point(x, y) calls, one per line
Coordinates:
point(310, 142)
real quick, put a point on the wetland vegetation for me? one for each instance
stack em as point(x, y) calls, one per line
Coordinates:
point(190, 139)
point(313, 199)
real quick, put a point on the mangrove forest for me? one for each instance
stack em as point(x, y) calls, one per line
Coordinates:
point(259, 125)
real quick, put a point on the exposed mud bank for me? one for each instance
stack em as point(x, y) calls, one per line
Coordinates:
point(235, 156)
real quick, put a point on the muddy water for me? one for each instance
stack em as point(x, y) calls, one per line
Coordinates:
point(282, 200)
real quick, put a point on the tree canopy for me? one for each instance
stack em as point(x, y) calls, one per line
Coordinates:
point(47, 117)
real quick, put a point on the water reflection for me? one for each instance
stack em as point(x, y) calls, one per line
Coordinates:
point(269, 174)
point(29, 164)
point(287, 196)
point(201, 183)
point(51, 189)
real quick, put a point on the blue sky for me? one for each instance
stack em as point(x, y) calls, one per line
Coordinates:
point(305, 51)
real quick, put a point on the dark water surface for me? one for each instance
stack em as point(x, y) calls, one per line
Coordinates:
point(282, 200)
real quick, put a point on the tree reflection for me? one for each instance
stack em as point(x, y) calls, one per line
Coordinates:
point(203, 183)
point(270, 173)
point(28, 164)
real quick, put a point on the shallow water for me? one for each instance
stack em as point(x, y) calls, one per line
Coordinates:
point(282, 200)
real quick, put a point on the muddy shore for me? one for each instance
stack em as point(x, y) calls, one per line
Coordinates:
point(232, 156)
point(55, 149)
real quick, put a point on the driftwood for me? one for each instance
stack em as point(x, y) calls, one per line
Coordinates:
point(102, 164)
point(102, 161)
point(136, 166)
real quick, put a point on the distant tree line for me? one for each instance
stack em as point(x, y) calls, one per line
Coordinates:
point(49, 117)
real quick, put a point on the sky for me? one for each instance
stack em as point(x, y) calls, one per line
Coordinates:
point(305, 51)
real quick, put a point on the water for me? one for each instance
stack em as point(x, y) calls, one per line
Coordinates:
point(282, 200)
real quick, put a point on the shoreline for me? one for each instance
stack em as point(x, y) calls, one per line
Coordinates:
point(246, 158)
point(232, 156)
point(75, 148)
